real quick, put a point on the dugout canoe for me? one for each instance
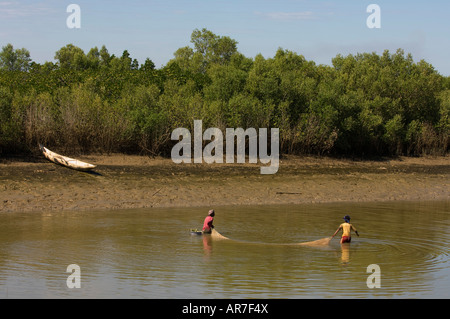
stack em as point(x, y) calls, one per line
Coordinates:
point(214, 234)
point(66, 161)
point(196, 232)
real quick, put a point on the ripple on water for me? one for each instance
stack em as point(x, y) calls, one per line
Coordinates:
point(150, 253)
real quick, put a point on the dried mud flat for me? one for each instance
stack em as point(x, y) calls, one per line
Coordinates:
point(122, 182)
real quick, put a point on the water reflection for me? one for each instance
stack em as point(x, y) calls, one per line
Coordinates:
point(150, 253)
point(345, 253)
point(207, 244)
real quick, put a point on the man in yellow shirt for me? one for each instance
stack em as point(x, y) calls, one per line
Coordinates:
point(346, 230)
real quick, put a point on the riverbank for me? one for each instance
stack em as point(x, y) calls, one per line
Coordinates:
point(122, 182)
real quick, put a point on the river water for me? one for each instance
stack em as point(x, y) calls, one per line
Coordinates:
point(151, 253)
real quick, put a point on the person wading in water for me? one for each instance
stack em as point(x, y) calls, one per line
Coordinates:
point(208, 223)
point(346, 230)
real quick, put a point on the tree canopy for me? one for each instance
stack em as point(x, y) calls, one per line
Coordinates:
point(362, 105)
point(14, 60)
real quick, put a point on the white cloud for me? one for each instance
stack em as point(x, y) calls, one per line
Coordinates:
point(301, 15)
point(9, 9)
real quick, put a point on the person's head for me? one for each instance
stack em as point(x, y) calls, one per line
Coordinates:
point(211, 213)
point(347, 219)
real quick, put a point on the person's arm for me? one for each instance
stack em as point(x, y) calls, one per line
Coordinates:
point(340, 227)
point(354, 229)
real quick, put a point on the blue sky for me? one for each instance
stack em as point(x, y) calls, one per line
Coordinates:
point(156, 29)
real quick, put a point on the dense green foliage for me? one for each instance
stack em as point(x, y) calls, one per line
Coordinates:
point(361, 105)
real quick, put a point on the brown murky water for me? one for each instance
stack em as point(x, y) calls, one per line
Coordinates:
point(151, 253)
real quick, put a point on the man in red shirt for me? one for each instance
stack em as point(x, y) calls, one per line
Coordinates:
point(208, 224)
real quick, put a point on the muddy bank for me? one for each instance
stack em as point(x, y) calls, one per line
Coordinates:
point(121, 182)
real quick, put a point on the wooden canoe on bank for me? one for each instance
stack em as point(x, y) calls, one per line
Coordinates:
point(66, 161)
